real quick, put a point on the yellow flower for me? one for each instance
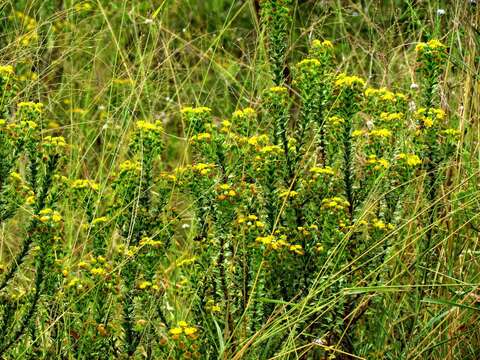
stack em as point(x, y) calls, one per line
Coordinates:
point(144, 284)
point(201, 137)
point(7, 70)
point(278, 89)
point(289, 194)
point(146, 126)
point(343, 80)
point(38, 107)
point(410, 159)
point(54, 141)
point(326, 170)
point(308, 63)
point(378, 224)
point(420, 47)
point(84, 184)
point(335, 120)
point(202, 110)
point(297, 249)
point(176, 331)
point(182, 324)
point(190, 331)
point(435, 44)
point(97, 271)
point(130, 165)
point(391, 116)
point(357, 133)
point(383, 133)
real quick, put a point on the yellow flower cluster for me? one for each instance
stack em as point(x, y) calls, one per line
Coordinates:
point(410, 159)
point(202, 110)
point(308, 64)
point(278, 89)
point(30, 105)
point(384, 94)
point(277, 243)
point(251, 221)
point(146, 241)
point(84, 184)
point(325, 44)
point(335, 203)
point(186, 262)
point(146, 126)
point(343, 80)
point(429, 117)
point(432, 45)
point(54, 141)
point(49, 216)
point(203, 169)
point(271, 149)
point(378, 162)
point(382, 133)
point(327, 170)
point(7, 70)
point(381, 225)
point(335, 120)
point(225, 191)
point(201, 137)
point(288, 194)
point(245, 113)
point(183, 328)
point(130, 166)
point(391, 116)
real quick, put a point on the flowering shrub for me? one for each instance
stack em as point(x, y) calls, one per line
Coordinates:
point(309, 222)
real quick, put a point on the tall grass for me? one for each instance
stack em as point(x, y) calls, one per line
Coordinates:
point(267, 179)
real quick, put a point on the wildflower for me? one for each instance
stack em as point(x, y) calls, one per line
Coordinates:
point(327, 170)
point(54, 142)
point(288, 194)
point(391, 116)
point(335, 120)
point(195, 111)
point(176, 331)
point(297, 249)
point(357, 133)
point(278, 89)
point(98, 271)
point(30, 105)
point(410, 159)
point(247, 112)
point(182, 324)
point(343, 80)
point(382, 133)
point(378, 224)
point(147, 126)
point(130, 166)
point(144, 284)
point(325, 44)
point(201, 137)
point(189, 331)
point(84, 184)
point(7, 70)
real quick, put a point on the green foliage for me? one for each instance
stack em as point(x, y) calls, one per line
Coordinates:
point(305, 214)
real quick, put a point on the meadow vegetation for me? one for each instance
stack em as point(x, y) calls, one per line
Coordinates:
point(272, 179)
